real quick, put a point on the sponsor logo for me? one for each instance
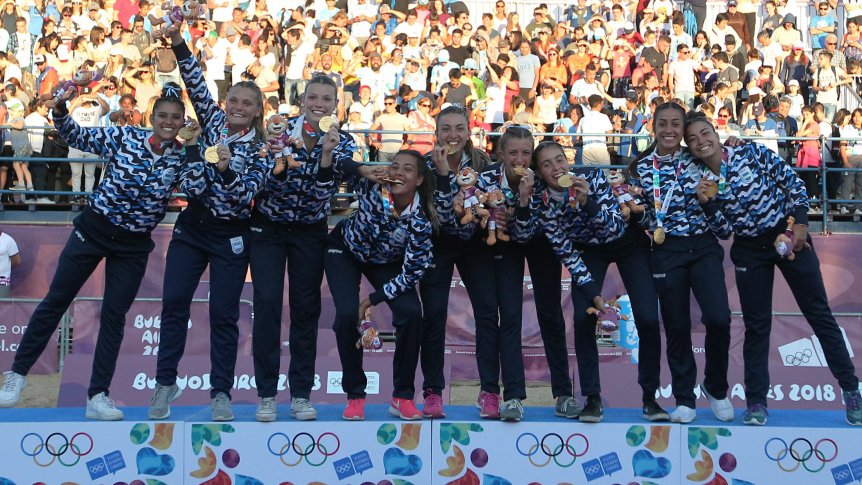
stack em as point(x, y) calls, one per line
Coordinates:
point(807, 352)
point(334, 378)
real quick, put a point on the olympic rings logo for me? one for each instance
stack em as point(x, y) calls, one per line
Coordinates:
point(552, 446)
point(797, 452)
point(304, 445)
point(56, 446)
point(799, 358)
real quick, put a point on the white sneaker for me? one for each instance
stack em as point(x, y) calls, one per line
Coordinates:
point(857, 212)
point(843, 211)
point(266, 410)
point(12, 387)
point(44, 200)
point(302, 409)
point(683, 414)
point(722, 408)
point(102, 408)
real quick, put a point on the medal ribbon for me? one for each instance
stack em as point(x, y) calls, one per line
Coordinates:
point(309, 130)
point(661, 205)
point(224, 139)
point(389, 203)
point(722, 177)
point(551, 202)
point(504, 187)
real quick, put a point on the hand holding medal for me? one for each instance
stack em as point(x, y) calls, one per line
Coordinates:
point(706, 189)
point(331, 136)
point(190, 132)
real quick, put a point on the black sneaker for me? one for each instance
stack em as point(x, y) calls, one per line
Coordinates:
point(592, 412)
point(653, 412)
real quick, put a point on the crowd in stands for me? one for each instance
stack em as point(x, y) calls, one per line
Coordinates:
point(601, 67)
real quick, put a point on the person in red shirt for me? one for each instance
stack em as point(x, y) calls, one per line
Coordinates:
point(125, 10)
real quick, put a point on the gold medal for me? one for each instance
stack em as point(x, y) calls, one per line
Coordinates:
point(211, 154)
point(451, 149)
point(326, 123)
point(186, 133)
point(520, 171)
point(391, 180)
point(711, 190)
point(565, 181)
point(658, 235)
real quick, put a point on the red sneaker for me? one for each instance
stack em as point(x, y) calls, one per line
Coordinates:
point(404, 409)
point(433, 407)
point(355, 410)
point(489, 405)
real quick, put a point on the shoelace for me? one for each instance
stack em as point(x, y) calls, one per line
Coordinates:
point(106, 401)
point(160, 392)
point(758, 408)
point(493, 399)
point(432, 400)
point(11, 382)
point(852, 401)
point(301, 404)
point(267, 405)
point(220, 400)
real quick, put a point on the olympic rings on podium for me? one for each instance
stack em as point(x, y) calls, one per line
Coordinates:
point(56, 445)
point(302, 450)
point(544, 445)
point(799, 454)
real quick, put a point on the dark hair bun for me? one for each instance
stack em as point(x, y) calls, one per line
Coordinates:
point(172, 90)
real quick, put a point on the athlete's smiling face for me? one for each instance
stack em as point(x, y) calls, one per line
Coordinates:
point(669, 129)
point(167, 119)
point(242, 106)
point(702, 140)
point(405, 168)
point(551, 164)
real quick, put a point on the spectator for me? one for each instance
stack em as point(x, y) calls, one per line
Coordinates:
point(86, 110)
point(771, 18)
point(826, 81)
point(547, 104)
point(728, 75)
point(355, 123)
point(455, 92)
point(39, 171)
point(761, 125)
point(296, 72)
point(851, 157)
point(721, 30)
point(141, 80)
point(528, 72)
point(787, 34)
point(421, 120)
point(787, 127)
point(128, 113)
point(838, 58)
point(595, 151)
point(682, 75)
point(821, 24)
point(21, 43)
point(390, 119)
point(736, 21)
point(47, 78)
point(9, 258)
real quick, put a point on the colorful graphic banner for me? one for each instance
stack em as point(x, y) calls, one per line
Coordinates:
point(62, 448)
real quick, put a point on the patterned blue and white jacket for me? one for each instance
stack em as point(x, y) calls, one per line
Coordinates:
point(302, 195)
point(762, 191)
point(597, 222)
point(137, 184)
point(685, 216)
point(373, 234)
point(226, 195)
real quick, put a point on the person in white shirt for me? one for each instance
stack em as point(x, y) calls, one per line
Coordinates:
point(9, 258)
point(851, 154)
point(214, 53)
point(586, 86)
point(87, 110)
point(361, 14)
point(241, 56)
point(681, 75)
point(301, 57)
point(595, 151)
